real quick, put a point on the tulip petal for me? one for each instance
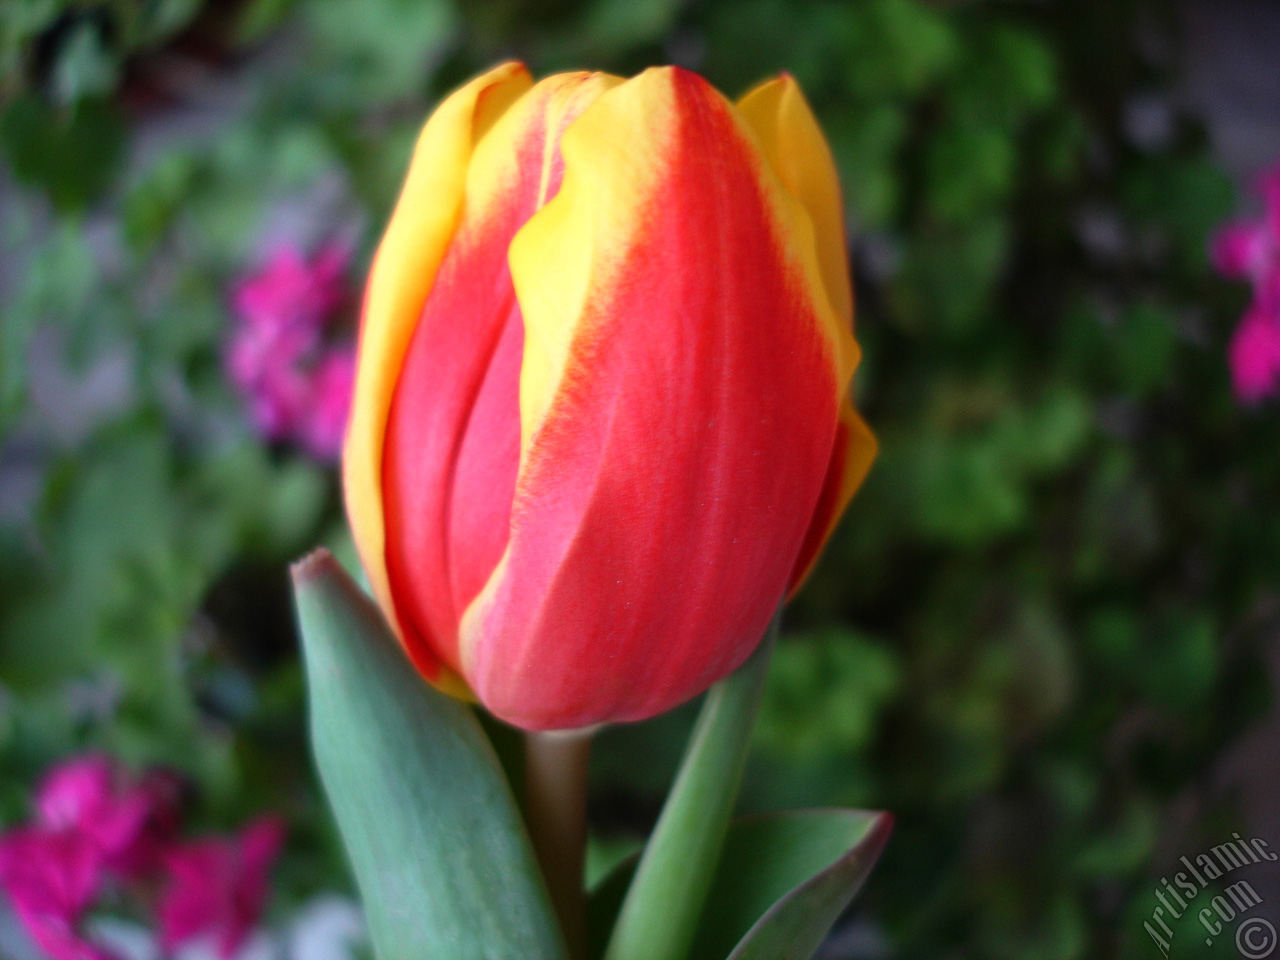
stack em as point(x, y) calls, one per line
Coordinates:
point(401, 278)
point(679, 396)
point(792, 141)
point(453, 431)
point(851, 459)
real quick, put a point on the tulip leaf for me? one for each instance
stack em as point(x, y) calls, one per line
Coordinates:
point(782, 881)
point(435, 840)
point(659, 915)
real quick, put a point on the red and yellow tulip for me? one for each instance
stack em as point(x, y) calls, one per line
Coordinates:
point(602, 420)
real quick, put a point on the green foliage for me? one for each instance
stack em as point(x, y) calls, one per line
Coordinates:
point(1034, 637)
point(825, 692)
point(72, 151)
point(781, 881)
point(382, 50)
point(785, 878)
point(443, 860)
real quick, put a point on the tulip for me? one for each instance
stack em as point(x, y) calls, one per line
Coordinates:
point(601, 422)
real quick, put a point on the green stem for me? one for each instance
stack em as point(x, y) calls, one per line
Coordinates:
point(556, 813)
point(664, 903)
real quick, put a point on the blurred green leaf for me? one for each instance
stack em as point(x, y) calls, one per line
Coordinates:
point(260, 17)
point(379, 50)
point(85, 67)
point(1182, 659)
point(1204, 199)
point(1125, 846)
point(21, 22)
point(609, 28)
point(866, 142)
point(971, 466)
point(146, 24)
point(824, 693)
point(948, 280)
point(1008, 72)
point(71, 154)
point(895, 47)
point(1144, 343)
point(970, 168)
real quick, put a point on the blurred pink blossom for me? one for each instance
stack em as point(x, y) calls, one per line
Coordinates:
point(1250, 250)
point(1255, 355)
point(95, 828)
point(90, 824)
point(331, 386)
point(52, 876)
point(292, 290)
point(128, 823)
point(217, 887)
point(297, 384)
point(1239, 251)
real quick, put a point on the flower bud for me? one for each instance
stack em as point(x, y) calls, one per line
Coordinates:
point(601, 421)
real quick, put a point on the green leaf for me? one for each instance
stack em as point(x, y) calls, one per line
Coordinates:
point(659, 917)
point(610, 27)
point(376, 51)
point(84, 67)
point(72, 154)
point(825, 691)
point(444, 866)
point(896, 47)
point(785, 879)
point(782, 881)
point(260, 17)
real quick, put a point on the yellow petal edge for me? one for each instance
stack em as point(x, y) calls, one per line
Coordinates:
point(404, 269)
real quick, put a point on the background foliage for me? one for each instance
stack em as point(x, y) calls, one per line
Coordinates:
point(1038, 638)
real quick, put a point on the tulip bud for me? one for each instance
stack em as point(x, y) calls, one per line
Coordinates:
point(601, 422)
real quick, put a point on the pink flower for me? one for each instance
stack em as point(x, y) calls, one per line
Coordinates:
point(126, 822)
point(297, 387)
point(1251, 251)
point(217, 887)
point(258, 352)
point(93, 827)
point(278, 401)
point(52, 876)
point(1239, 251)
point(90, 824)
point(326, 420)
point(292, 290)
point(1255, 355)
point(74, 793)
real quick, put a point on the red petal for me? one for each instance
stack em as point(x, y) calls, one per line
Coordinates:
point(671, 469)
point(453, 434)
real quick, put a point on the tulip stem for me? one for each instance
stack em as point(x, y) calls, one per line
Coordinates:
point(555, 785)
